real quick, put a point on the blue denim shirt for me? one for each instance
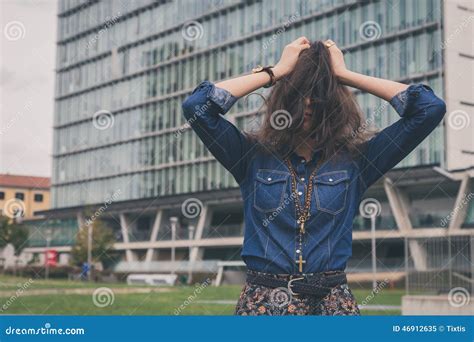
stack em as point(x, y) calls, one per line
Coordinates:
point(270, 239)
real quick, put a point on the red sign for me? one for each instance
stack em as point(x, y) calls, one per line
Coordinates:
point(51, 257)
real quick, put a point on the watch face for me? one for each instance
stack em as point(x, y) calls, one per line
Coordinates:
point(258, 68)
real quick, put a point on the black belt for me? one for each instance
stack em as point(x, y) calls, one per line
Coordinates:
point(318, 284)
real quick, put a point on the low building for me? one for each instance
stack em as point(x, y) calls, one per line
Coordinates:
point(22, 196)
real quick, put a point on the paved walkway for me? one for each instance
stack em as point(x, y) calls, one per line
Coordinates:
point(83, 291)
point(362, 307)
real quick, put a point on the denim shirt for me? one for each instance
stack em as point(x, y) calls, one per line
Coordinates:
point(271, 231)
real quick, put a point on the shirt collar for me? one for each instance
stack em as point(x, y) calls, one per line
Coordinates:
point(297, 158)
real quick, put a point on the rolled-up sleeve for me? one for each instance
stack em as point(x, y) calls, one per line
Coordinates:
point(202, 110)
point(421, 111)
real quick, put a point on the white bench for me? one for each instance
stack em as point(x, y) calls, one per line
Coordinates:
point(221, 265)
point(152, 279)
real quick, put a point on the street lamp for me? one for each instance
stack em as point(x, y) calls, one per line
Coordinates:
point(191, 236)
point(49, 233)
point(90, 228)
point(371, 208)
point(173, 221)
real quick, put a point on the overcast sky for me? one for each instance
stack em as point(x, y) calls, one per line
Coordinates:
point(27, 61)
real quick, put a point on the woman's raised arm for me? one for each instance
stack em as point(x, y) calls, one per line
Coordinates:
point(379, 87)
point(419, 108)
point(244, 85)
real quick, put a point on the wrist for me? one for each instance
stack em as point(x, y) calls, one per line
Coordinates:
point(344, 75)
point(279, 72)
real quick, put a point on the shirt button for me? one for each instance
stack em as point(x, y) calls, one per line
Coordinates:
point(298, 251)
point(300, 193)
point(269, 178)
point(302, 179)
point(330, 179)
point(302, 160)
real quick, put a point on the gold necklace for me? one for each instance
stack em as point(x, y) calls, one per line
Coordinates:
point(303, 213)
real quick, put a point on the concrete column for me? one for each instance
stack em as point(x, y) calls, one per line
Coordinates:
point(125, 225)
point(150, 253)
point(418, 254)
point(81, 221)
point(461, 205)
point(204, 219)
point(400, 204)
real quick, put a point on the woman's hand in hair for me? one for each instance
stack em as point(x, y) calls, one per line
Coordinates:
point(337, 59)
point(289, 57)
point(244, 85)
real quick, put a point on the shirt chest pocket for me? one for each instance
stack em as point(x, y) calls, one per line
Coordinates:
point(269, 190)
point(330, 191)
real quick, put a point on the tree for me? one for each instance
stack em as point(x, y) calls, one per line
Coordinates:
point(102, 242)
point(14, 233)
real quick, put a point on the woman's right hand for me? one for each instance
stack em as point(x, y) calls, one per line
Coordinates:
point(289, 57)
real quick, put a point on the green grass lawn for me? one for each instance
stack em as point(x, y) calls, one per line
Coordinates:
point(176, 300)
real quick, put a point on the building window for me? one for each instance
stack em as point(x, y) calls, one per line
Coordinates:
point(20, 195)
point(38, 197)
point(2, 195)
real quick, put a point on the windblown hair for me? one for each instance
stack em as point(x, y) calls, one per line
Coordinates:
point(335, 118)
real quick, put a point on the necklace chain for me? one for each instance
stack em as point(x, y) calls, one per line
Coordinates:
point(302, 213)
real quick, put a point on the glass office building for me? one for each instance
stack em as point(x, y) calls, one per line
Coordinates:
point(125, 67)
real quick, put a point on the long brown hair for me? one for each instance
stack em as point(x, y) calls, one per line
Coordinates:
point(335, 114)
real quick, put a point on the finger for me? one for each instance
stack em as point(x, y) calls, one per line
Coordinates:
point(301, 40)
point(329, 43)
point(304, 47)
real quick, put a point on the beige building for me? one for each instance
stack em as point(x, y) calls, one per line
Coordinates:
point(23, 193)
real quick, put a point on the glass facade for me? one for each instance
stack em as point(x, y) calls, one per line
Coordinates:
point(62, 232)
point(136, 61)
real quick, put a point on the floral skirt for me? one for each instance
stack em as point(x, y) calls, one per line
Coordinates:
point(261, 300)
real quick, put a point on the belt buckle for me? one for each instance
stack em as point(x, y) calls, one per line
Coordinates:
point(290, 284)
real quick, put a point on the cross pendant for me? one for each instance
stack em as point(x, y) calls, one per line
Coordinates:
point(300, 261)
point(302, 231)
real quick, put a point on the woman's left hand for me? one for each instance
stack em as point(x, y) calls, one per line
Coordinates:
point(337, 58)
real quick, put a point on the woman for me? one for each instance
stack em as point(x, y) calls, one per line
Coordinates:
point(302, 175)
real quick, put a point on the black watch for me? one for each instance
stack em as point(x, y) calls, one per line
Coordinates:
point(269, 71)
